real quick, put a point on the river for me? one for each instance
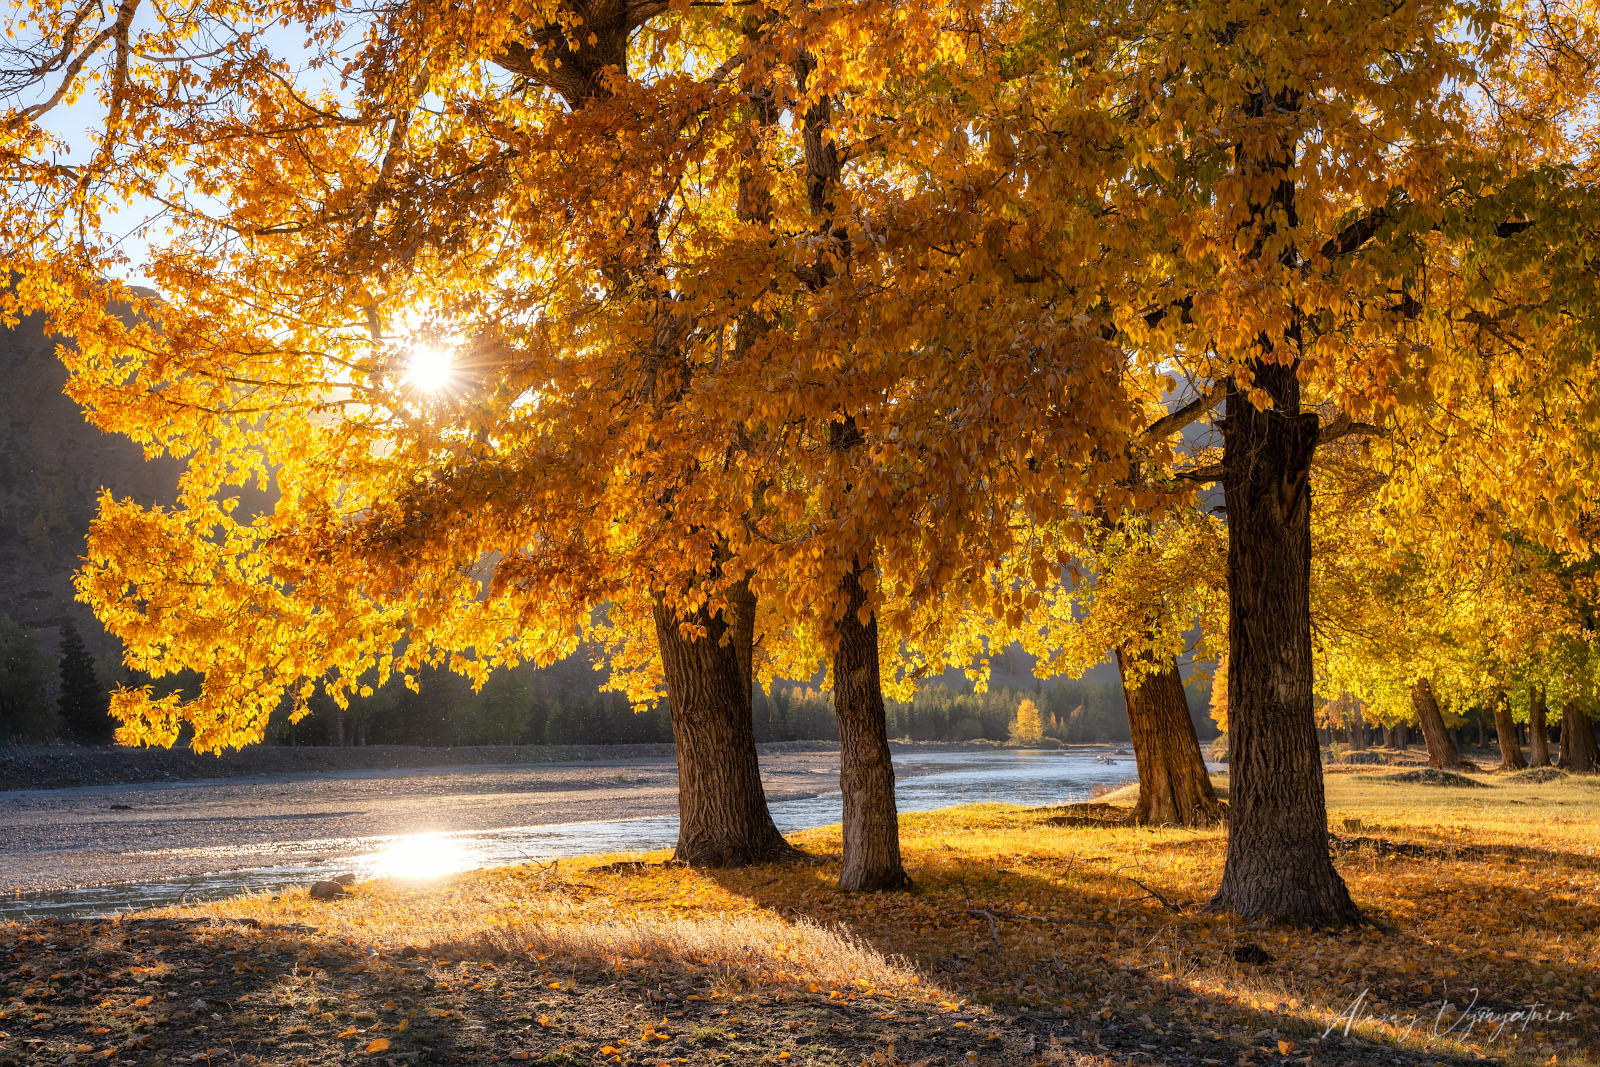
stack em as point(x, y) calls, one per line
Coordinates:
point(99, 850)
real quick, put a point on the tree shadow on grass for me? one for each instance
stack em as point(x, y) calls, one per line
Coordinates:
point(1096, 962)
point(144, 991)
point(1359, 845)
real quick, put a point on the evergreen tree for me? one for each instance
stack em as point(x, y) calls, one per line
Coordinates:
point(84, 701)
point(25, 712)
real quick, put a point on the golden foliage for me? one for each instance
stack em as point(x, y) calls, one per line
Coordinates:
point(664, 298)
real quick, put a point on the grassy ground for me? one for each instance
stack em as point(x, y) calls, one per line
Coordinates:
point(1027, 940)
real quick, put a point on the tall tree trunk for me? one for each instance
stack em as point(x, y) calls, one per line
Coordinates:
point(1538, 730)
point(1579, 753)
point(866, 775)
point(1174, 787)
point(866, 771)
point(1358, 731)
point(1506, 734)
point(723, 819)
point(1442, 751)
point(1278, 864)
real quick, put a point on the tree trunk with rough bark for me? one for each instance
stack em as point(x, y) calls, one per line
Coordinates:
point(866, 772)
point(1538, 729)
point(1442, 751)
point(723, 819)
point(1579, 752)
point(1506, 734)
point(1278, 864)
point(1174, 787)
point(1358, 729)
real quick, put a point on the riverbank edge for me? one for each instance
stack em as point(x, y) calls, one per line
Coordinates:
point(73, 766)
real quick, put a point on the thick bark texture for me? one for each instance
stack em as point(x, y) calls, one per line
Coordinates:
point(866, 774)
point(1579, 753)
point(1174, 788)
point(723, 819)
point(1538, 730)
point(1278, 864)
point(1442, 751)
point(1506, 732)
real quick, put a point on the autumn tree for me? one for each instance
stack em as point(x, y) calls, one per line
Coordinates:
point(682, 379)
point(1294, 285)
point(1141, 588)
point(690, 375)
point(1027, 727)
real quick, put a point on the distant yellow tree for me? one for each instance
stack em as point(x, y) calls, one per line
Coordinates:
point(1219, 697)
point(1028, 727)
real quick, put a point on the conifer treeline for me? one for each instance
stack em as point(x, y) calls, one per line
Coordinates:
point(53, 699)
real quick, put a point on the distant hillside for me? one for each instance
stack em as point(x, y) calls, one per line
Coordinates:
point(53, 465)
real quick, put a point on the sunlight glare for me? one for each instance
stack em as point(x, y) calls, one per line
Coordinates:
point(429, 855)
point(430, 367)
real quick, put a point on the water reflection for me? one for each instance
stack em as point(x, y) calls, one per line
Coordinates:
point(1005, 776)
point(420, 856)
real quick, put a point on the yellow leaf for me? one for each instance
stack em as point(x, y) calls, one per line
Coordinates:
point(380, 1045)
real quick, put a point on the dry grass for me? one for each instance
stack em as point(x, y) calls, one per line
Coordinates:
point(1101, 928)
point(565, 916)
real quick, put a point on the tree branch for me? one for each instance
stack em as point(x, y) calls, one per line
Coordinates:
point(1182, 417)
point(1356, 234)
point(1341, 426)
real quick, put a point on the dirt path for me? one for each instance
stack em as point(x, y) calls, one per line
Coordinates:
point(62, 837)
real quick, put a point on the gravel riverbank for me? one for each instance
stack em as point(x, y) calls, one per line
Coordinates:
point(152, 830)
point(65, 766)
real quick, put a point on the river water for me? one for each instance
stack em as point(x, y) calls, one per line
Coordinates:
point(939, 779)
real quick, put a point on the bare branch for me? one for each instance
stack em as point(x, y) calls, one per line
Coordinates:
point(1184, 416)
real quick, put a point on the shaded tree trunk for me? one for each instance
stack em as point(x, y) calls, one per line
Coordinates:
point(1538, 730)
point(1358, 731)
point(1579, 753)
point(866, 772)
point(1278, 864)
point(723, 819)
point(1506, 734)
point(1174, 787)
point(1442, 751)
